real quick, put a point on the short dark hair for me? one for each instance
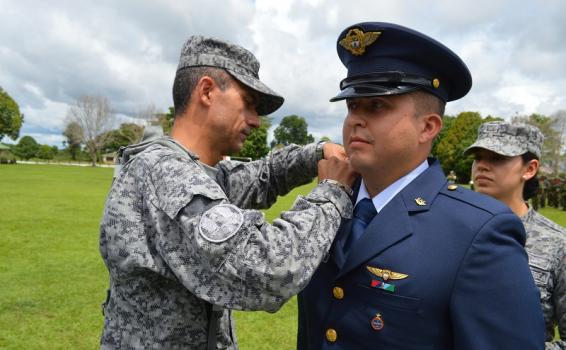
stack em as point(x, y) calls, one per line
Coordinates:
point(186, 80)
point(426, 103)
point(531, 186)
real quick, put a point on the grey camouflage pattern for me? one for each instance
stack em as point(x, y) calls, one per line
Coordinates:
point(162, 270)
point(239, 62)
point(508, 139)
point(546, 247)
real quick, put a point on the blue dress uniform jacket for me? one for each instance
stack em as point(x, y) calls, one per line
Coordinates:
point(467, 282)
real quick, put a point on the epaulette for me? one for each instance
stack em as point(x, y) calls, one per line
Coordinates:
point(474, 199)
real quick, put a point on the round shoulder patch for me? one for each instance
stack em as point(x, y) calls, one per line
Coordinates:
point(220, 222)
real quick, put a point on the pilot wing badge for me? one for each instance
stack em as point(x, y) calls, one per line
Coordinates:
point(386, 274)
point(356, 41)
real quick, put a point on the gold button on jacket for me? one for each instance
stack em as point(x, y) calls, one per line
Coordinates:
point(331, 335)
point(338, 292)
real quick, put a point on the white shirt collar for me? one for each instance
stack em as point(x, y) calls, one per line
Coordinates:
point(390, 191)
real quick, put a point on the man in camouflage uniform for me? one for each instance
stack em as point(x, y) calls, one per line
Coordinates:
point(180, 249)
point(546, 241)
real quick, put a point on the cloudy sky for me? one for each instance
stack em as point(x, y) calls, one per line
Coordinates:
point(52, 52)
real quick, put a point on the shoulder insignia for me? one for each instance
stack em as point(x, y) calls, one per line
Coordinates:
point(356, 41)
point(220, 223)
point(386, 274)
point(452, 187)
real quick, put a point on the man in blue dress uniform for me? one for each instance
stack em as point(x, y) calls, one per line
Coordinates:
point(423, 264)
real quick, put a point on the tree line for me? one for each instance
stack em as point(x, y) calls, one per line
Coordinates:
point(90, 132)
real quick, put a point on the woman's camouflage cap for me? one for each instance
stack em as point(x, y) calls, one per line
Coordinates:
point(508, 139)
point(201, 51)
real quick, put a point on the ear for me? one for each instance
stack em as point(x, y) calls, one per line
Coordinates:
point(531, 170)
point(203, 90)
point(431, 124)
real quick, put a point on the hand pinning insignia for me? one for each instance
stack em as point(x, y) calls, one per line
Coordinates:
point(356, 41)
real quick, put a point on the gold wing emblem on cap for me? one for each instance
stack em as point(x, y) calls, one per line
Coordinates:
point(386, 274)
point(356, 41)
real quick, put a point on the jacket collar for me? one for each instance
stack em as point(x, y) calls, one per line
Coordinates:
point(392, 224)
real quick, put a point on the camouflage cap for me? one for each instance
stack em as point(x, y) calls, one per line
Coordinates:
point(201, 51)
point(508, 139)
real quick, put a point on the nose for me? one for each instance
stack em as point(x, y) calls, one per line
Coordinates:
point(481, 164)
point(253, 119)
point(355, 119)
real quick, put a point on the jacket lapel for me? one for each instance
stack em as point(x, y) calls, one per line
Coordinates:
point(392, 225)
point(388, 227)
point(337, 252)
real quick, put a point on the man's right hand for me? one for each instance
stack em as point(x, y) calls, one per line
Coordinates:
point(337, 170)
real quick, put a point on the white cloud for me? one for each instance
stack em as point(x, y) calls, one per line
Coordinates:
point(53, 52)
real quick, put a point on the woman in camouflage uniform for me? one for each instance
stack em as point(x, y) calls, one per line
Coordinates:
point(506, 161)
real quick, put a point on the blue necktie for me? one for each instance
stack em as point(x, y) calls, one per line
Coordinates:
point(363, 214)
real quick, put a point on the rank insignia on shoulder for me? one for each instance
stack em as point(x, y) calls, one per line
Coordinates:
point(452, 187)
point(377, 323)
point(356, 41)
point(386, 274)
point(421, 202)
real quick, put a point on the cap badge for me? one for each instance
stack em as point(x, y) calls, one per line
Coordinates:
point(356, 41)
point(420, 202)
point(386, 274)
point(377, 323)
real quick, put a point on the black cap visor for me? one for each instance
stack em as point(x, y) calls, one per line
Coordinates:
point(371, 90)
point(380, 84)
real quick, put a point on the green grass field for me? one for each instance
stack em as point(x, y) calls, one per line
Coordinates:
point(53, 279)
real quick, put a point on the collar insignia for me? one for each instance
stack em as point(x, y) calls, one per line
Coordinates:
point(386, 274)
point(420, 202)
point(356, 41)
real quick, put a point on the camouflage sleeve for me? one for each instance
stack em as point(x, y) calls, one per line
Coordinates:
point(559, 299)
point(257, 184)
point(233, 257)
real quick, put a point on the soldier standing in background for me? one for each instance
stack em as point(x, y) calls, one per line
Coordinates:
point(180, 250)
point(505, 167)
point(535, 199)
point(543, 186)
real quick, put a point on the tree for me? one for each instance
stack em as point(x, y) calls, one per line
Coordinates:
point(74, 134)
point(559, 125)
point(148, 114)
point(292, 129)
point(26, 148)
point(126, 134)
point(46, 152)
point(11, 119)
point(166, 120)
point(95, 117)
point(552, 144)
point(449, 148)
point(255, 146)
